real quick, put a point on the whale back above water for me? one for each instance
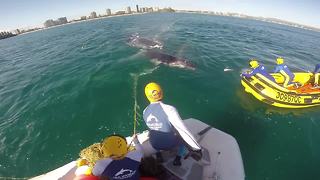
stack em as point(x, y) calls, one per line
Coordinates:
point(144, 43)
point(167, 59)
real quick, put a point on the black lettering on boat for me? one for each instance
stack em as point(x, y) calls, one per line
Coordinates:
point(288, 97)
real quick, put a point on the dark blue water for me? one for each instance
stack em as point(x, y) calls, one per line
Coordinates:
point(65, 88)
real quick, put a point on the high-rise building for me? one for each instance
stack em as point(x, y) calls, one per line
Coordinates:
point(4, 35)
point(59, 21)
point(62, 20)
point(137, 8)
point(49, 23)
point(108, 11)
point(17, 31)
point(144, 9)
point(93, 15)
point(150, 9)
point(120, 12)
point(128, 10)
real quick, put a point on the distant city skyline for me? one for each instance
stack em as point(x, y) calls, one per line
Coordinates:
point(31, 13)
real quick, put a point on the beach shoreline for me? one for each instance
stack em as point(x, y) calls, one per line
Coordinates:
point(80, 21)
point(235, 15)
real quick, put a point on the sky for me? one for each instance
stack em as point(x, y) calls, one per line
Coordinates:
point(30, 13)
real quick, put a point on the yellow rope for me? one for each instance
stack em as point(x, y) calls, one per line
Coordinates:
point(135, 117)
point(135, 79)
point(135, 84)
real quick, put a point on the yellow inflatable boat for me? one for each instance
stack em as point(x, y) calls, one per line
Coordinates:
point(275, 94)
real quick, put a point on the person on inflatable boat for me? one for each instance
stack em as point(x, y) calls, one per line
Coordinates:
point(118, 162)
point(285, 71)
point(257, 68)
point(166, 128)
point(316, 73)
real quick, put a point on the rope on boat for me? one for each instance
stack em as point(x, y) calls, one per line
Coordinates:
point(136, 107)
point(135, 83)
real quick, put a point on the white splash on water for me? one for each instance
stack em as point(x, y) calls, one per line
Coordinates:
point(227, 69)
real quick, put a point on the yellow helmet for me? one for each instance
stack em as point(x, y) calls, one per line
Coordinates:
point(254, 63)
point(279, 60)
point(153, 92)
point(114, 146)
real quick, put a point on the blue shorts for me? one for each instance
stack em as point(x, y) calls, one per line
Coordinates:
point(164, 141)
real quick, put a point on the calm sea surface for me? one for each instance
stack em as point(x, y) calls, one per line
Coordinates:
point(65, 88)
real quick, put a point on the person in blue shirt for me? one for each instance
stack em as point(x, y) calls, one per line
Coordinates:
point(257, 68)
point(285, 71)
point(316, 73)
point(166, 128)
point(118, 162)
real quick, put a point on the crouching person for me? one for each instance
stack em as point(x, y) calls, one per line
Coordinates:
point(118, 162)
point(166, 128)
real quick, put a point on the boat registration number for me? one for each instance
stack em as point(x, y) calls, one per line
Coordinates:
point(288, 98)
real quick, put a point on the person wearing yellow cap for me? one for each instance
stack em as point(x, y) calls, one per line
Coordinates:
point(316, 73)
point(257, 68)
point(285, 71)
point(166, 128)
point(118, 163)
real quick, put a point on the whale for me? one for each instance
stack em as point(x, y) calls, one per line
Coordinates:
point(169, 60)
point(143, 43)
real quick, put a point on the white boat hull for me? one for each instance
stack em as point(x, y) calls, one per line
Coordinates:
point(221, 157)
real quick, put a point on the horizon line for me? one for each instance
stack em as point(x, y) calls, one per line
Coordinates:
point(224, 13)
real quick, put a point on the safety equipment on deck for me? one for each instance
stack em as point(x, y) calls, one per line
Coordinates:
point(153, 92)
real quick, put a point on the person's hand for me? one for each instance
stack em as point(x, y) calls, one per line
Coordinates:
point(135, 139)
point(135, 136)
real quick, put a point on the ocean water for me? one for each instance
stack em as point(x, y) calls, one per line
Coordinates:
point(64, 88)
